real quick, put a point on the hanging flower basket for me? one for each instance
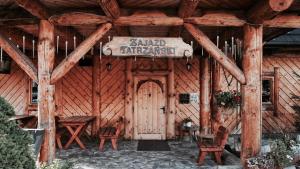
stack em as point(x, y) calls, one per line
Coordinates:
point(228, 99)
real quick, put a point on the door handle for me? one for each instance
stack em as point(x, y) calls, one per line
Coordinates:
point(163, 109)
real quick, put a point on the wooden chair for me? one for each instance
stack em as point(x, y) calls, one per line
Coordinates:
point(217, 147)
point(111, 133)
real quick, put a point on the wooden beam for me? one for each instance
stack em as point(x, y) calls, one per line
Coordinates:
point(78, 18)
point(216, 53)
point(35, 7)
point(217, 18)
point(171, 115)
point(18, 21)
point(216, 86)
point(79, 52)
point(267, 9)
point(148, 21)
point(110, 8)
point(283, 21)
point(46, 103)
point(205, 96)
point(251, 92)
point(187, 8)
point(96, 94)
point(20, 58)
point(276, 90)
point(129, 100)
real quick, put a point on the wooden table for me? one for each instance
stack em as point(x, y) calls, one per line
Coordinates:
point(76, 125)
point(25, 121)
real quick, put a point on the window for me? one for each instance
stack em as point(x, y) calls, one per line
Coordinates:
point(267, 91)
point(33, 93)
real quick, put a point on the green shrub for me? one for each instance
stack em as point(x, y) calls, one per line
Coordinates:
point(14, 142)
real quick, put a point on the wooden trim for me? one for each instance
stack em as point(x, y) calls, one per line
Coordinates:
point(216, 53)
point(171, 99)
point(276, 90)
point(284, 21)
point(21, 59)
point(96, 95)
point(35, 7)
point(129, 101)
point(110, 8)
point(151, 73)
point(187, 8)
point(79, 52)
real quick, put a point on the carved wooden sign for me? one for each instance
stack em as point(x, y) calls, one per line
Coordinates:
point(148, 47)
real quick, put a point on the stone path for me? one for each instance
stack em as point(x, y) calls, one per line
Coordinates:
point(183, 155)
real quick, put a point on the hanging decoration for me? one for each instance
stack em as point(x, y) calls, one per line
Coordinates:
point(66, 50)
point(24, 44)
point(33, 42)
point(1, 54)
point(100, 51)
point(74, 42)
point(57, 44)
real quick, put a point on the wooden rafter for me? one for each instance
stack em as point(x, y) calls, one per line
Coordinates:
point(111, 9)
point(284, 21)
point(216, 53)
point(148, 21)
point(217, 18)
point(267, 9)
point(186, 9)
point(79, 52)
point(21, 59)
point(78, 18)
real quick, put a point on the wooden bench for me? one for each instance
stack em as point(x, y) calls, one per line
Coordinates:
point(111, 133)
point(216, 147)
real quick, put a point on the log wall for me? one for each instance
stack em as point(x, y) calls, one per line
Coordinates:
point(74, 91)
point(14, 88)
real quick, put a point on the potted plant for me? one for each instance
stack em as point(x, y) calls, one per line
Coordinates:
point(228, 99)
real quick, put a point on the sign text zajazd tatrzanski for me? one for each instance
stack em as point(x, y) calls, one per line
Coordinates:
point(142, 46)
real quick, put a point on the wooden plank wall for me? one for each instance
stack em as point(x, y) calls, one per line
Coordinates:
point(14, 88)
point(289, 86)
point(187, 82)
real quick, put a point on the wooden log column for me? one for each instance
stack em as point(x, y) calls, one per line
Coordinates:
point(251, 92)
point(96, 94)
point(128, 100)
point(46, 103)
point(216, 86)
point(205, 96)
point(171, 101)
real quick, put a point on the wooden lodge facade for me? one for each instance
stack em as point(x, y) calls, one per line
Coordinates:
point(65, 77)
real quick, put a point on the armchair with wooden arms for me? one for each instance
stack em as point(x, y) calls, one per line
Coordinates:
point(111, 133)
point(217, 147)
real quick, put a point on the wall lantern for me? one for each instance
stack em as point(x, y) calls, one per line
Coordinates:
point(108, 66)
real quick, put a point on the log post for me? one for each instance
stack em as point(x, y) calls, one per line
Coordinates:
point(276, 90)
point(204, 94)
point(96, 94)
point(171, 101)
point(251, 92)
point(216, 86)
point(46, 91)
point(128, 100)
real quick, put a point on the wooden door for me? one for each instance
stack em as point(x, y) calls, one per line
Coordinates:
point(150, 108)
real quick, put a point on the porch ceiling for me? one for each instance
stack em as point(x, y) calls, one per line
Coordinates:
point(10, 10)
